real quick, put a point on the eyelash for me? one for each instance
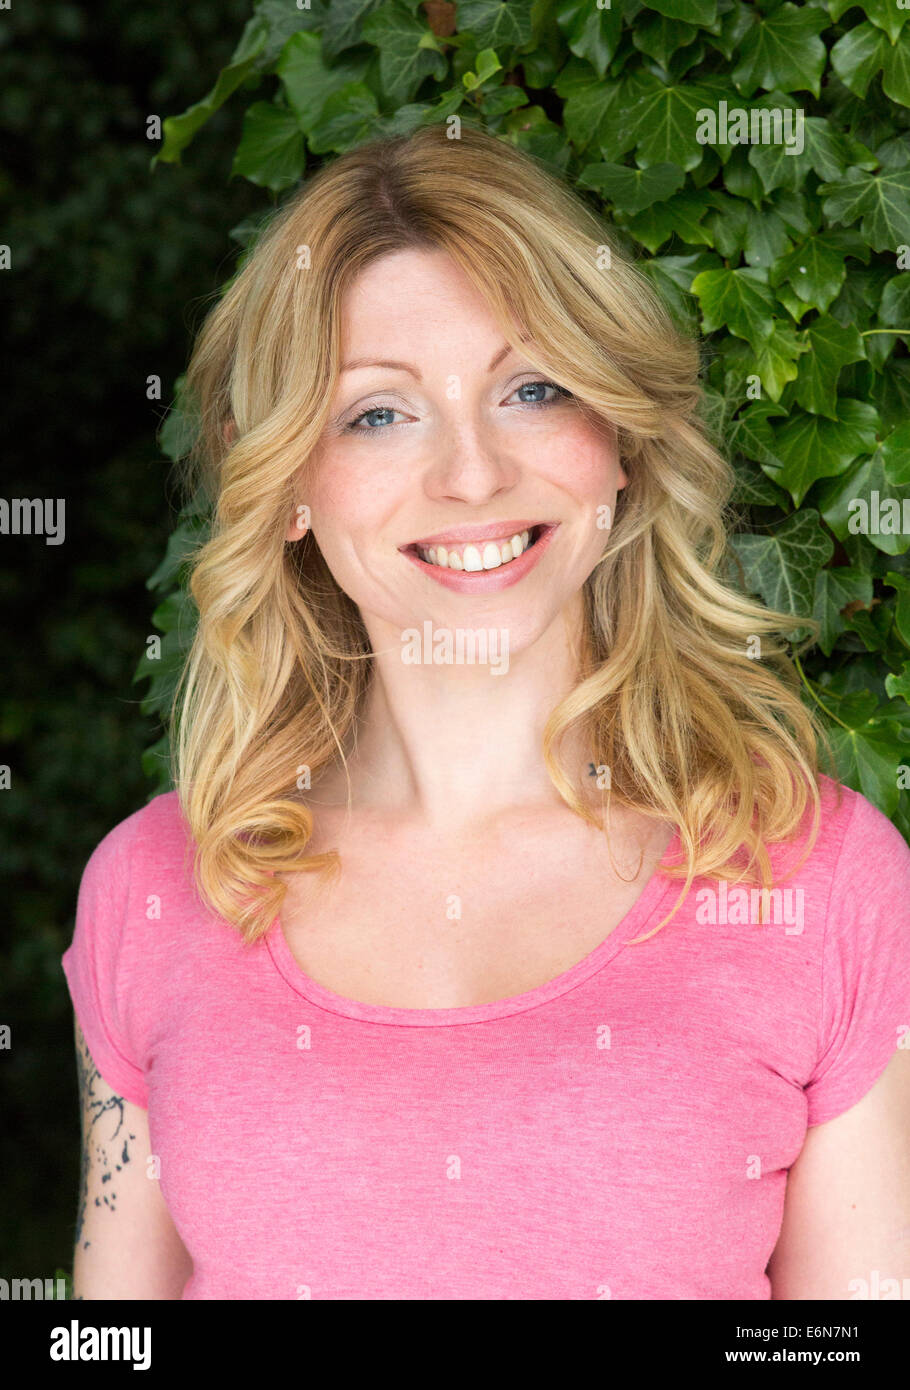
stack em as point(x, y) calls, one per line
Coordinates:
point(354, 426)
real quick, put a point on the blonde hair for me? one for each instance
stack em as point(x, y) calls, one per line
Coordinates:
point(692, 729)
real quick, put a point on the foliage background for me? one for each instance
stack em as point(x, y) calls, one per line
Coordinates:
point(790, 268)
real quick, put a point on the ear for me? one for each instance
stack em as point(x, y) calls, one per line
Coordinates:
point(229, 433)
point(299, 524)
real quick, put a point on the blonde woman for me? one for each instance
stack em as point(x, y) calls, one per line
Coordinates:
point(502, 939)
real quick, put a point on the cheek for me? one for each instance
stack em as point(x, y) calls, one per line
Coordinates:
point(584, 464)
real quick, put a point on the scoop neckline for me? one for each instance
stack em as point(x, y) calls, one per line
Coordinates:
point(652, 897)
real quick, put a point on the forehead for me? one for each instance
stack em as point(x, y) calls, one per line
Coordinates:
point(409, 295)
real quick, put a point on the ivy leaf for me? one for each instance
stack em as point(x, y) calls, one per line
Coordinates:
point(663, 121)
point(632, 190)
point(901, 583)
point(834, 590)
point(178, 131)
point(826, 152)
point(894, 310)
point(813, 447)
point(308, 82)
point(881, 200)
point(271, 151)
point(882, 13)
point(867, 750)
point(830, 346)
point(342, 27)
point(693, 11)
point(782, 50)
point(817, 268)
point(590, 32)
point(494, 24)
point(593, 113)
point(781, 566)
point(736, 299)
point(660, 37)
point(347, 119)
point(680, 215)
point(404, 57)
point(852, 506)
point(773, 360)
point(753, 434)
point(864, 51)
point(673, 276)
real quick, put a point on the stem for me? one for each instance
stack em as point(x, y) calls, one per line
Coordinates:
point(870, 331)
point(808, 684)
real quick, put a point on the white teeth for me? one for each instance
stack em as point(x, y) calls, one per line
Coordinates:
point(475, 558)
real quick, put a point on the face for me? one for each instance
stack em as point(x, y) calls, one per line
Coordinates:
point(453, 481)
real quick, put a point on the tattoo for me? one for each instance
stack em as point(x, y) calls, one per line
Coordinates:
point(95, 1105)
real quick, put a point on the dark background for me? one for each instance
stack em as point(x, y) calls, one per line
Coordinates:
point(113, 266)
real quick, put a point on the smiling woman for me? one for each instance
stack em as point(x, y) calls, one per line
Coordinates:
point(426, 916)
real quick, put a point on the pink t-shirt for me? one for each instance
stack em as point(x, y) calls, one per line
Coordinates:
point(623, 1131)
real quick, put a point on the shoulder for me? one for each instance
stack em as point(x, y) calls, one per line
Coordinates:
point(152, 843)
point(859, 837)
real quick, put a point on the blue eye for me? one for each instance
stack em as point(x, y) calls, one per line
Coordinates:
point(540, 386)
point(371, 424)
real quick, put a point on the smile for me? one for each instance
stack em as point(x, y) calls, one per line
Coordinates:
point(485, 561)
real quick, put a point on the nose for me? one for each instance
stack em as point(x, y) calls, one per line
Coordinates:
point(470, 463)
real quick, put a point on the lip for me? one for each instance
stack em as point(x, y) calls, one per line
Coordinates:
point(487, 581)
point(490, 531)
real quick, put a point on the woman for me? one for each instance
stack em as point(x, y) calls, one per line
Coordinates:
point(395, 996)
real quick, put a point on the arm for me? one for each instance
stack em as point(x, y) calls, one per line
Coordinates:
point(847, 1207)
point(126, 1243)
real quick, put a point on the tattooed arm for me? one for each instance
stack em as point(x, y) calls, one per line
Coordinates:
point(126, 1243)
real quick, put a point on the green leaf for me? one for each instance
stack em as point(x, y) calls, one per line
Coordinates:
point(884, 13)
point(271, 151)
point(347, 119)
point(590, 32)
point(673, 276)
point(901, 583)
point(782, 50)
point(881, 200)
point(894, 310)
point(736, 299)
point(773, 360)
point(343, 25)
point(830, 346)
point(632, 190)
point(781, 566)
point(692, 11)
point(852, 506)
point(308, 82)
point(865, 51)
point(403, 61)
point(817, 268)
point(868, 752)
point(834, 590)
point(178, 131)
point(494, 24)
point(826, 152)
point(663, 121)
point(594, 109)
point(660, 37)
point(680, 215)
point(813, 447)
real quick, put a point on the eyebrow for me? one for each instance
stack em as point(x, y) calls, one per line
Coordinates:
point(406, 367)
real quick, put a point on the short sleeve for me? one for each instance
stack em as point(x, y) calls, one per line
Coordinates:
point(865, 1009)
point(94, 966)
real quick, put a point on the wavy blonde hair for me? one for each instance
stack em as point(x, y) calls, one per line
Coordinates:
point(692, 729)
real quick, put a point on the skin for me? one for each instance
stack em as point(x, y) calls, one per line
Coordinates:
point(449, 795)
